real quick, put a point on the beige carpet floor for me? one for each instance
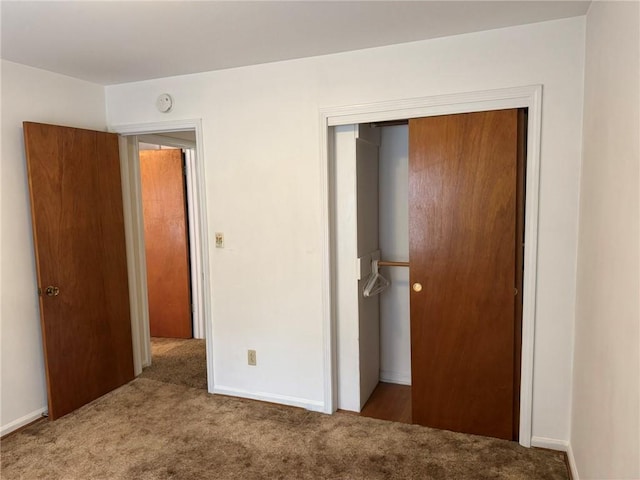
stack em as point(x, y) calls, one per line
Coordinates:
point(152, 429)
point(178, 361)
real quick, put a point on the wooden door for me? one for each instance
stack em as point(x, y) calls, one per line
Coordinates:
point(463, 216)
point(78, 229)
point(166, 243)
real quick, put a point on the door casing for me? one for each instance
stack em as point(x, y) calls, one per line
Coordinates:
point(529, 97)
point(134, 230)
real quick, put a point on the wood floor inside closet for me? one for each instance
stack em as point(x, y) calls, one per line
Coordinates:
point(389, 401)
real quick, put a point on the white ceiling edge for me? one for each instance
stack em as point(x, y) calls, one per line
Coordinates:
point(119, 42)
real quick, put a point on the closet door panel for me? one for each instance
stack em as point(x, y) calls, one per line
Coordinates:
point(462, 222)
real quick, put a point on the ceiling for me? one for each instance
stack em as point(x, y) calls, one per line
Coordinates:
point(112, 42)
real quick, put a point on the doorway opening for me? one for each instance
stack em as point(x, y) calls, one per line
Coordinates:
point(165, 208)
point(184, 140)
point(176, 337)
point(529, 97)
point(384, 204)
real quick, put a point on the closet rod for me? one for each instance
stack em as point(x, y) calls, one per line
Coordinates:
point(392, 264)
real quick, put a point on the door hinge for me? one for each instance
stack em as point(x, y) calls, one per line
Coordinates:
point(515, 292)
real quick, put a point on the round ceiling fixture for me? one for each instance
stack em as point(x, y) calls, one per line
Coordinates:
point(164, 103)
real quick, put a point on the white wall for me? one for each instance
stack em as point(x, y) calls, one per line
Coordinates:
point(261, 142)
point(29, 94)
point(395, 324)
point(605, 431)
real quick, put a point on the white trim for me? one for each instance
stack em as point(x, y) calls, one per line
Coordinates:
point(136, 263)
point(395, 377)
point(167, 141)
point(312, 405)
point(22, 421)
point(529, 280)
point(329, 326)
point(160, 127)
point(518, 97)
point(550, 443)
point(561, 446)
point(193, 207)
point(572, 463)
point(201, 253)
point(429, 106)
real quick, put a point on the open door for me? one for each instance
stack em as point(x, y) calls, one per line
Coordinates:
point(166, 243)
point(78, 228)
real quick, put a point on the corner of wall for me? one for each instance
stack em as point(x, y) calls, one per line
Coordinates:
point(573, 468)
point(560, 446)
point(577, 252)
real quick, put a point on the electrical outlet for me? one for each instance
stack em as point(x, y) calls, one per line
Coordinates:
point(251, 357)
point(219, 240)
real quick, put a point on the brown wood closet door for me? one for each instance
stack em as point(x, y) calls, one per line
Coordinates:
point(78, 229)
point(462, 195)
point(166, 243)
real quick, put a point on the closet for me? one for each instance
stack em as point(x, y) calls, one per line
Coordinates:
point(428, 224)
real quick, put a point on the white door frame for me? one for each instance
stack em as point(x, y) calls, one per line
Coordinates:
point(518, 97)
point(134, 227)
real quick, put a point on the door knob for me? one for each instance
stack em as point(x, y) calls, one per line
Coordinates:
point(52, 291)
point(417, 287)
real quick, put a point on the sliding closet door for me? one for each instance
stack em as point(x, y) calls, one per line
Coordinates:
point(463, 214)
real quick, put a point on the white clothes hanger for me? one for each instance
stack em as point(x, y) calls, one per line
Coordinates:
point(376, 283)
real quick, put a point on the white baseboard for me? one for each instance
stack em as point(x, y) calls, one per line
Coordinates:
point(560, 445)
point(572, 463)
point(395, 377)
point(550, 443)
point(312, 405)
point(22, 421)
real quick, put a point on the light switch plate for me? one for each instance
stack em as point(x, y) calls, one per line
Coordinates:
point(219, 240)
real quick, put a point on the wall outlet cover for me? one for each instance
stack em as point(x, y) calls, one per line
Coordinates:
point(251, 358)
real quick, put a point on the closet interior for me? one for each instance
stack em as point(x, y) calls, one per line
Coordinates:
point(428, 232)
point(375, 157)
